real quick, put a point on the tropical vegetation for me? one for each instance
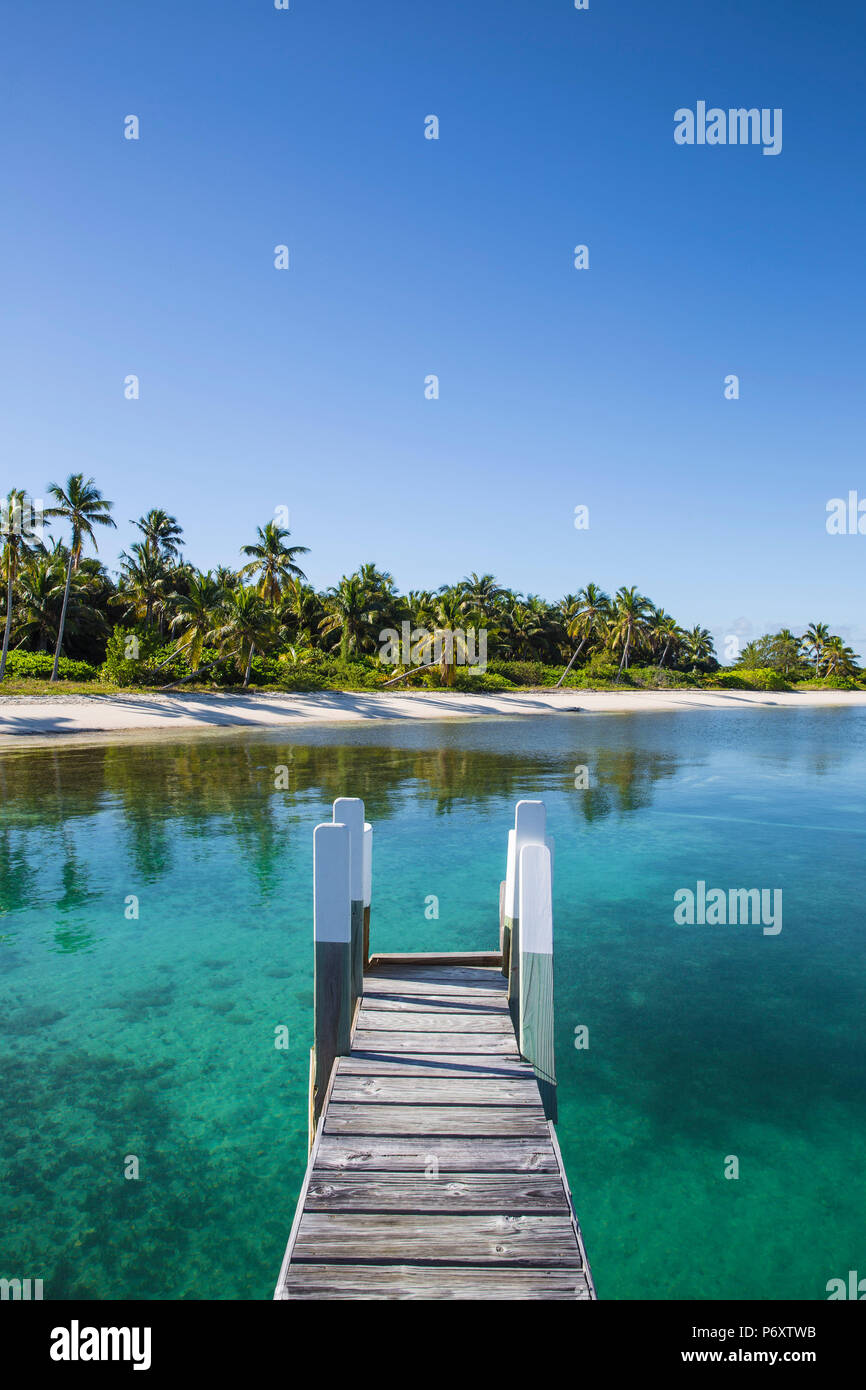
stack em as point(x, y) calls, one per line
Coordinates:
point(160, 621)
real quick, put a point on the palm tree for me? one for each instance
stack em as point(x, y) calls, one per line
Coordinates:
point(814, 640)
point(628, 621)
point(301, 653)
point(593, 613)
point(375, 580)
point(567, 609)
point(839, 659)
point(524, 630)
point(481, 594)
point(195, 616)
point(664, 631)
point(40, 599)
point(247, 623)
point(299, 610)
point(383, 606)
point(144, 580)
point(549, 634)
point(420, 604)
point(226, 577)
point(786, 649)
point(161, 533)
point(273, 561)
point(17, 538)
point(698, 646)
point(83, 506)
point(447, 642)
point(346, 613)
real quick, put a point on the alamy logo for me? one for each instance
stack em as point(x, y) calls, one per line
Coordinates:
point(846, 516)
point(22, 516)
point(736, 126)
point(737, 906)
point(75, 1343)
point(854, 1289)
point(20, 1289)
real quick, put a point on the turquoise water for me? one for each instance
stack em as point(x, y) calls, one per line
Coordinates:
point(154, 1037)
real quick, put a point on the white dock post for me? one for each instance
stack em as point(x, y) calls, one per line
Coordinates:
point(530, 821)
point(332, 931)
point(536, 970)
point(349, 810)
point(368, 888)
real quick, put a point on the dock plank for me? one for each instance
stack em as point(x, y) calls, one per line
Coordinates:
point(479, 1005)
point(398, 1153)
point(456, 1064)
point(383, 1040)
point(527, 1121)
point(405, 1021)
point(437, 1090)
point(485, 1240)
point(454, 984)
point(507, 1194)
point(413, 1282)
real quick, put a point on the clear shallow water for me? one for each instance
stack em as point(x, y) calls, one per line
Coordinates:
point(155, 1037)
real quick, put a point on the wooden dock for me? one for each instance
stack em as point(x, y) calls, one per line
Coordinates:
point(434, 1171)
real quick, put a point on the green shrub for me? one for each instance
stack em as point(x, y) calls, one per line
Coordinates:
point(315, 671)
point(550, 674)
point(584, 680)
point(602, 667)
point(767, 679)
point(728, 680)
point(840, 683)
point(661, 678)
point(299, 676)
point(597, 672)
point(763, 679)
point(134, 656)
point(465, 679)
point(518, 672)
point(224, 674)
point(369, 675)
point(263, 671)
point(39, 665)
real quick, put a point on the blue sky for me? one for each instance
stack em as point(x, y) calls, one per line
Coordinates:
point(305, 388)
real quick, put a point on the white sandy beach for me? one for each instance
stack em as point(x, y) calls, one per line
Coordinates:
point(58, 716)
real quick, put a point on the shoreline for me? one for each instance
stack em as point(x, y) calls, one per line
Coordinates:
point(69, 718)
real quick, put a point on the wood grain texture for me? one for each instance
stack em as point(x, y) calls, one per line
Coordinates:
point(451, 978)
point(413, 1282)
point(456, 1064)
point(392, 1154)
point(462, 1021)
point(511, 1194)
point(384, 1040)
point(435, 1090)
point(410, 1237)
point(332, 1012)
point(458, 1005)
point(519, 1120)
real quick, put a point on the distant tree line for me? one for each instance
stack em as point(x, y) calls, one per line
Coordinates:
point(61, 600)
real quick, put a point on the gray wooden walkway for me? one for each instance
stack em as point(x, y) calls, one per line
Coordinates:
point(434, 1173)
